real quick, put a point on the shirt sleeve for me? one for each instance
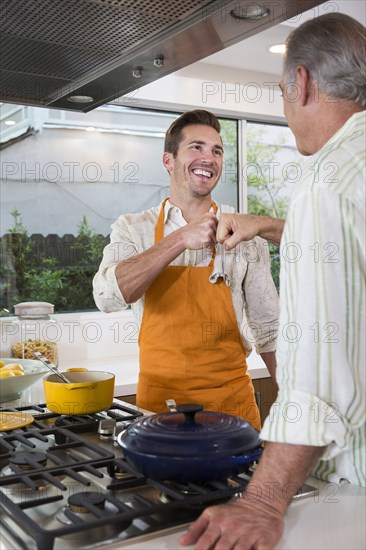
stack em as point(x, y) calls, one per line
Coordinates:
point(123, 245)
point(260, 296)
point(321, 351)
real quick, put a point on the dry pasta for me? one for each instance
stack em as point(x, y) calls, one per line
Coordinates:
point(24, 350)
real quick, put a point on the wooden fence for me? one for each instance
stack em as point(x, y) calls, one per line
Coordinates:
point(66, 251)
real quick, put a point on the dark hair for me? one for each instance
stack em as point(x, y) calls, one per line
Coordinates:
point(173, 136)
point(332, 48)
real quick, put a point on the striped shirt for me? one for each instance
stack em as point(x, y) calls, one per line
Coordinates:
point(321, 342)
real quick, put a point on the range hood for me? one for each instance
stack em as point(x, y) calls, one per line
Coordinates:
point(79, 54)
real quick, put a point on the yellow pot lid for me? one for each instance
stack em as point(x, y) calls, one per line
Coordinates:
point(14, 420)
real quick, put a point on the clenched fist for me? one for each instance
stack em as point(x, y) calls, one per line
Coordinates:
point(200, 233)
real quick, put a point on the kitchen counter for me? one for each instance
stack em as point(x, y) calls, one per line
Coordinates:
point(333, 520)
point(126, 368)
point(103, 341)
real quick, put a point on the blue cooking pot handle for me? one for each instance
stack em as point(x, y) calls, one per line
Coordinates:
point(246, 457)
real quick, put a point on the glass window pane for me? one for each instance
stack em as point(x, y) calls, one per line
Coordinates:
point(272, 168)
point(66, 177)
point(272, 171)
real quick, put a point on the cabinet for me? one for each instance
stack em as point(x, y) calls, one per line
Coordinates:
point(128, 399)
point(265, 394)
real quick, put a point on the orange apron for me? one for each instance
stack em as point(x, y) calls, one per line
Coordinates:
point(190, 345)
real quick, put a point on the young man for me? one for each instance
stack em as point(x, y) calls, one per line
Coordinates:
point(193, 301)
point(321, 373)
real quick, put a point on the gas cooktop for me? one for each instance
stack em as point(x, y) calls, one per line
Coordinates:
point(64, 483)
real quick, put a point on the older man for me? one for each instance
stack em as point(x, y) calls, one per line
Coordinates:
point(321, 356)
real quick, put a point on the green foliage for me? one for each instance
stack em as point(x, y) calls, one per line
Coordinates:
point(26, 275)
point(264, 189)
point(16, 262)
point(89, 243)
point(266, 196)
point(229, 137)
point(275, 264)
point(46, 281)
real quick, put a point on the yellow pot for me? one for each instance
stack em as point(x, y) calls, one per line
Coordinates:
point(88, 393)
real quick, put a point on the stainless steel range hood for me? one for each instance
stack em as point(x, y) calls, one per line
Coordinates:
point(79, 54)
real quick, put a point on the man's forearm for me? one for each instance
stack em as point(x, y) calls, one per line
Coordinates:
point(135, 275)
point(269, 358)
point(270, 229)
point(282, 471)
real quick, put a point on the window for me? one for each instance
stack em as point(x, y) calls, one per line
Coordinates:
point(66, 177)
point(272, 170)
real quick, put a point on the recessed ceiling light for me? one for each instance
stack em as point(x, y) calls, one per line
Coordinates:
point(80, 99)
point(10, 122)
point(250, 12)
point(277, 48)
point(90, 128)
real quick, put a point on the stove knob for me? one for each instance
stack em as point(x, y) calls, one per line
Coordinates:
point(107, 427)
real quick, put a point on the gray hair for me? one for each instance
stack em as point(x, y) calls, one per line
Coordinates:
point(332, 48)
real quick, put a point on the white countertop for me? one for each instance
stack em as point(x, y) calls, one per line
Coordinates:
point(334, 520)
point(103, 341)
point(126, 368)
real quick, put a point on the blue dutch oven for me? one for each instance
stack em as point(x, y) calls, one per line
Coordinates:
point(190, 445)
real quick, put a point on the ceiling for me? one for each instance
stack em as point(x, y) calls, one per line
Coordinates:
point(269, 63)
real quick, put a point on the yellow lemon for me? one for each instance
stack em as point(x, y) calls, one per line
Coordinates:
point(1, 364)
point(13, 366)
point(18, 372)
point(4, 373)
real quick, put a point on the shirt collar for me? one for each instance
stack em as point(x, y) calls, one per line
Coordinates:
point(169, 207)
point(223, 263)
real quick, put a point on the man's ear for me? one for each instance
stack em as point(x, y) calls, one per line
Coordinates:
point(168, 161)
point(303, 80)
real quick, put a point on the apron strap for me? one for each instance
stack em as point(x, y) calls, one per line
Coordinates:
point(159, 228)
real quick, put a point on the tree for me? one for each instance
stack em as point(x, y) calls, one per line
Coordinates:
point(268, 195)
point(27, 274)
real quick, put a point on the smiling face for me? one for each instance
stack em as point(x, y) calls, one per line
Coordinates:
point(196, 169)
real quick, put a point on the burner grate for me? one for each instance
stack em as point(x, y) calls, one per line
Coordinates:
point(120, 413)
point(71, 453)
point(47, 464)
point(180, 507)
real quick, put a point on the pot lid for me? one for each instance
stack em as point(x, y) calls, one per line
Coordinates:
point(191, 431)
point(33, 308)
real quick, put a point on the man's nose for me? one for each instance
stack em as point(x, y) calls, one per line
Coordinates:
point(208, 157)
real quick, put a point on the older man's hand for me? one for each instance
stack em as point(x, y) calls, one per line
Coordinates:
point(243, 525)
point(234, 228)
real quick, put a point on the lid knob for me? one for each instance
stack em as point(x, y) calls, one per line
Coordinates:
point(189, 411)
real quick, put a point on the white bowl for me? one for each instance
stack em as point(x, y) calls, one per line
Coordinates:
point(11, 388)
